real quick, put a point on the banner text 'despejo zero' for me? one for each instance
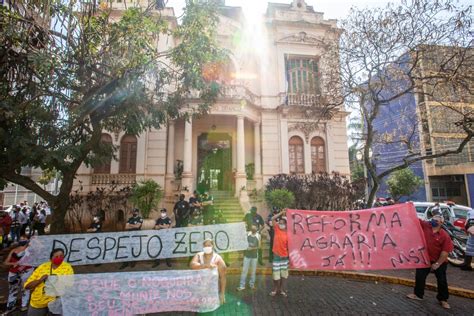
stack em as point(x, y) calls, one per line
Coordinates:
point(374, 239)
point(136, 245)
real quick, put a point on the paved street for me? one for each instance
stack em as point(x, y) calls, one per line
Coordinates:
point(334, 296)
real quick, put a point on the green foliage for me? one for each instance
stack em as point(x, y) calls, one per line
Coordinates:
point(357, 171)
point(65, 80)
point(146, 196)
point(280, 198)
point(403, 183)
point(250, 170)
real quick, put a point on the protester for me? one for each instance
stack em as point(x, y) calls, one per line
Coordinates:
point(271, 231)
point(133, 223)
point(439, 245)
point(15, 226)
point(467, 265)
point(5, 224)
point(280, 255)
point(194, 202)
point(96, 225)
point(23, 219)
point(250, 259)
point(181, 212)
point(253, 218)
point(41, 222)
point(36, 282)
point(33, 219)
point(17, 275)
point(207, 207)
point(208, 259)
point(163, 222)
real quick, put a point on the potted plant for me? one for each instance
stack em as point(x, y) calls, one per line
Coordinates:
point(146, 196)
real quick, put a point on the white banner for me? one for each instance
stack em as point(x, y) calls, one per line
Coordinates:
point(132, 293)
point(136, 245)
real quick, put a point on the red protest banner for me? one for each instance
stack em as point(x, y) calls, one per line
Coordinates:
point(374, 239)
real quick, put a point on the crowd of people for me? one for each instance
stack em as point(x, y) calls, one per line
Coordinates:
point(26, 284)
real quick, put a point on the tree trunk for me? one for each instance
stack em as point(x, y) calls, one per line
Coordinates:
point(59, 206)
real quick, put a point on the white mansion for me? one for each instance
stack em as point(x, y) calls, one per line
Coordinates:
point(255, 129)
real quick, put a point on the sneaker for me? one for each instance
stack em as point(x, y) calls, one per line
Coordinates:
point(444, 304)
point(240, 289)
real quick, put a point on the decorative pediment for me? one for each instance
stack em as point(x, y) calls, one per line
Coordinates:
point(307, 128)
point(301, 38)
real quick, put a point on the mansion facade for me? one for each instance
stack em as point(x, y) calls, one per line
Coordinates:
point(256, 129)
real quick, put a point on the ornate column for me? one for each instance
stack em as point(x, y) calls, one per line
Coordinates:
point(257, 155)
point(285, 157)
point(187, 177)
point(170, 160)
point(240, 176)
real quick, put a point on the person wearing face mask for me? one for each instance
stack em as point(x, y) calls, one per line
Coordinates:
point(250, 259)
point(271, 231)
point(96, 225)
point(208, 259)
point(56, 266)
point(280, 255)
point(17, 275)
point(133, 223)
point(163, 222)
point(439, 245)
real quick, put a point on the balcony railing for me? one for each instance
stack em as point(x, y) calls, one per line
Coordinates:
point(109, 179)
point(302, 99)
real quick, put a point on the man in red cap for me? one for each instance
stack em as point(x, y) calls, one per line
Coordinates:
point(439, 245)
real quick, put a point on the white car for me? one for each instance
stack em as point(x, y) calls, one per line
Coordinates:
point(451, 212)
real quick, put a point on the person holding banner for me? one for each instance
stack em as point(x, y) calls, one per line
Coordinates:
point(439, 245)
point(17, 275)
point(208, 259)
point(164, 222)
point(134, 223)
point(280, 255)
point(36, 282)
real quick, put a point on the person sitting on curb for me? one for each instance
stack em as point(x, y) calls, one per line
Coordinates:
point(163, 222)
point(208, 259)
point(250, 259)
point(134, 223)
point(280, 255)
point(439, 245)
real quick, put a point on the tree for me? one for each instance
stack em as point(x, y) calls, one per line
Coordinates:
point(403, 183)
point(280, 198)
point(70, 70)
point(420, 50)
point(146, 196)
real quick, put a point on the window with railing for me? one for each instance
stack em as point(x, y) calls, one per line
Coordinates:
point(318, 155)
point(128, 154)
point(296, 152)
point(303, 77)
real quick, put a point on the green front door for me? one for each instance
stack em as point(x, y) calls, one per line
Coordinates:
point(214, 162)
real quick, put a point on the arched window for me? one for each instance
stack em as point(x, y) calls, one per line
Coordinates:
point(296, 149)
point(318, 155)
point(128, 154)
point(104, 167)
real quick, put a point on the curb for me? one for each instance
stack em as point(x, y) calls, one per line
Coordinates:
point(363, 277)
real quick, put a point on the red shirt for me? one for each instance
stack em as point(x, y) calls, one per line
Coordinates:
point(280, 242)
point(436, 242)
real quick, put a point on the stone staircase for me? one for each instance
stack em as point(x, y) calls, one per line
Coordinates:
point(230, 206)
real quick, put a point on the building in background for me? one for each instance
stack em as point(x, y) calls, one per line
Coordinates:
point(428, 118)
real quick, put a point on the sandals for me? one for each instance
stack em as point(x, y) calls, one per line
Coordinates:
point(284, 294)
point(273, 293)
point(445, 304)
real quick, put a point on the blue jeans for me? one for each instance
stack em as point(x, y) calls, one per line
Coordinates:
point(15, 233)
point(252, 264)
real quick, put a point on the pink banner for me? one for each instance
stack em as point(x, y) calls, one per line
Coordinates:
point(374, 239)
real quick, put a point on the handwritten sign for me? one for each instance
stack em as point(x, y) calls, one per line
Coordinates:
point(133, 293)
point(375, 239)
point(137, 245)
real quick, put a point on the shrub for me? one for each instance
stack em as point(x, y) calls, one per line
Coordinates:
point(280, 198)
point(146, 195)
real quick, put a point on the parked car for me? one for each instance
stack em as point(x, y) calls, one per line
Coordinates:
point(455, 214)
